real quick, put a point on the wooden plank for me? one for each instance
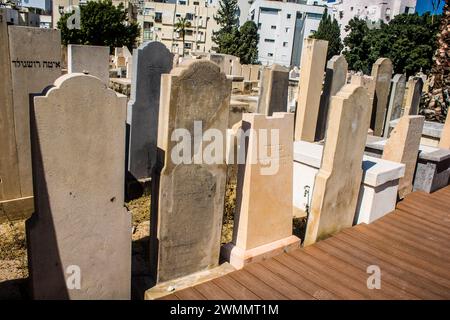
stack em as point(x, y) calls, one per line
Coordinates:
point(169, 297)
point(234, 288)
point(273, 280)
point(257, 286)
point(211, 291)
point(321, 279)
point(189, 294)
point(433, 201)
point(431, 224)
point(426, 211)
point(329, 267)
point(387, 291)
point(299, 280)
point(404, 280)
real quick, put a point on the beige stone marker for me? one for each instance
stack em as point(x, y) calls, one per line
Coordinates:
point(338, 181)
point(413, 94)
point(246, 71)
point(254, 72)
point(403, 146)
point(188, 196)
point(382, 74)
point(274, 90)
point(80, 227)
point(263, 221)
point(444, 143)
point(312, 71)
point(30, 60)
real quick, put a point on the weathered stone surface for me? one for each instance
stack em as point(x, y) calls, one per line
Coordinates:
point(152, 59)
point(188, 197)
point(254, 72)
point(398, 87)
point(245, 71)
point(93, 60)
point(413, 95)
point(312, 68)
point(274, 90)
point(382, 74)
point(335, 79)
point(445, 134)
point(236, 69)
point(337, 184)
point(432, 171)
point(403, 146)
point(80, 221)
point(264, 214)
point(30, 60)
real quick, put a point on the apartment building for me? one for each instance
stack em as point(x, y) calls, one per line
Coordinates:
point(373, 11)
point(158, 22)
point(282, 28)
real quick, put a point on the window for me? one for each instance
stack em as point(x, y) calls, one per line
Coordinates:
point(188, 45)
point(189, 16)
point(196, 3)
point(286, 29)
point(259, 26)
point(351, 8)
point(341, 14)
point(285, 44)
point(273, 27)
point(288, 16)
point(158, 16)
point(270, 54)
point(269, 40)
point(182, 2)
point(178, 15)
point(189, 32)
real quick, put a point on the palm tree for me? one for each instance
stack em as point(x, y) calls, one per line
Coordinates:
point(180, 27)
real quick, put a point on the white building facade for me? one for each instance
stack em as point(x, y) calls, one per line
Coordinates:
point(373, 11)
point(282, 27)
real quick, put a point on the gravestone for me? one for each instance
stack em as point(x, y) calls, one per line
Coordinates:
point(312, 68)
point(246, 69)
point(444, 142)
point(236, 69)
point(413, 94)
point(81, 227)
point(254, 72)
point(274, 90)
point(152, 59)
point(30, 61)
point(188, 195)
point(335, 79)
point(338, 181)
point(403, 146)
point(93, 60)
point(395, 101)
point(382, 74)
point(263, 219)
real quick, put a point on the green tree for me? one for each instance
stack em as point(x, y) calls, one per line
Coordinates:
point(181, 26)
point(247, 50)
point(228, 34)
point(329, 30)
point(102, 24)
point(408, 40)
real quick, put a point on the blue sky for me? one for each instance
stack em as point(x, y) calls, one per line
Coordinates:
point(425, 5)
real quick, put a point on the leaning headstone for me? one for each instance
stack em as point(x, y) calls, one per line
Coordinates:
point(444, 142)
point(382, 74)
point(79, 239)
point(403, 146)
point(335, 79)
point(312, 68)
point(337, 184)
point(93, 60)
point(152, 59)
point(188, 189)
point(30, 61)
point(274, 90)
point(413, 96)
point(395, 101)
point(263, 219)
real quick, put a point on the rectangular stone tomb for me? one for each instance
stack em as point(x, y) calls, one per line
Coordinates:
point(433, 166)
point(378, 192)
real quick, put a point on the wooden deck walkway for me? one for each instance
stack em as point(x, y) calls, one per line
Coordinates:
point(410, 245)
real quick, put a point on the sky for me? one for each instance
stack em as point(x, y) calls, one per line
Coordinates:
point(425, 5)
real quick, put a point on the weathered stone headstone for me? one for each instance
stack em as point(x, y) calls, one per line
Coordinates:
point(81, 228)
point(254, 72)
point(403, 146)
point(30, 60)
point(274, 90)
point(246, 69)
point(335, 79)
point(413, 95)
point(188, 193)
point(152, 59)
point(382, 74)
point(337, 184)
point(236, 69)
point(312, 68)
point(397, 95)
point(93, 60)
point(263, 219)
point(444, 142)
